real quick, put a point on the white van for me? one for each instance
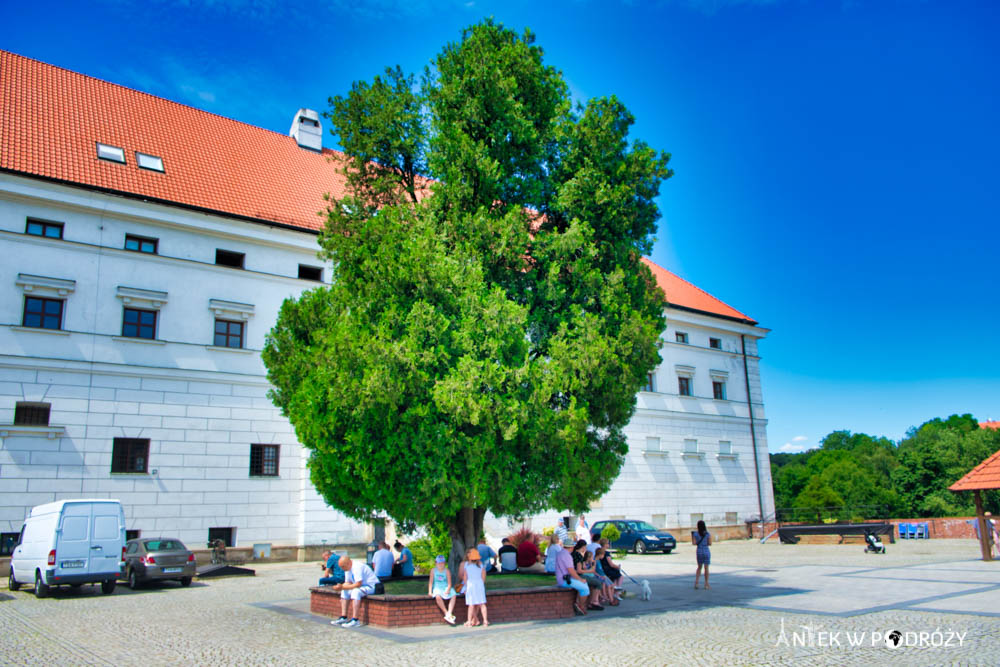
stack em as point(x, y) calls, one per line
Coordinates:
point(70, 542)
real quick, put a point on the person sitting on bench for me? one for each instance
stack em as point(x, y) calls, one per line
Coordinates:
point(332, 574)
point(359, 581)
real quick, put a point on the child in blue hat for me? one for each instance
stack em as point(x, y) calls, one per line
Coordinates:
point(439, 587)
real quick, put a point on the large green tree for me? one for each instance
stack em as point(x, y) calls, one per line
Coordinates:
point(489, 322)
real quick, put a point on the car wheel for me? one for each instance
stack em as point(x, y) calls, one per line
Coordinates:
point(12, 582)
point(41, 588)
point(108, 586)
point(185, 581)
point(133, 580)
point(640, 547)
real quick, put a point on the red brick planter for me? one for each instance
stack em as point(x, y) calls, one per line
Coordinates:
point(395, 611)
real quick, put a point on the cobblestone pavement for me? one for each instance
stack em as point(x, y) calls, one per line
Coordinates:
point(757, 591)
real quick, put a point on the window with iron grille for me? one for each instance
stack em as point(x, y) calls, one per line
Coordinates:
point(32, 414)
point(130, 455)
point(42, 313)
point(140, 244)
point(264, 460)
point(139, 323)
point(684, 386)
point(228, 333)
point(52, 230)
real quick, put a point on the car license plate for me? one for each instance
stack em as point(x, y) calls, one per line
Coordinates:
point(172, 570)
point(73, 563)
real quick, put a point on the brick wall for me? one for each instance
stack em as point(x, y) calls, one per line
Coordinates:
point(393, 611)
point(943, 527)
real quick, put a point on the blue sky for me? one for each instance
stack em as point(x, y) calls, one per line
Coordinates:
point(836, 172)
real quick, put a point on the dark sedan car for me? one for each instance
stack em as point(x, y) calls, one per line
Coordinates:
point(158, 558)
point(637, 536)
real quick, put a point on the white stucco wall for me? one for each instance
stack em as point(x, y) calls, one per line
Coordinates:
point(202, 407)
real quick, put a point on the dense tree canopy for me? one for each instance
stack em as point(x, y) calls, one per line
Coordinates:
point(489, 321)
point(909, 480)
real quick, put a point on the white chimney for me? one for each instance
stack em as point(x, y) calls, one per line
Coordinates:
point(307, 130)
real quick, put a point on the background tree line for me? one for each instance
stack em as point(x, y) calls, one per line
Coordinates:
point(911, 477)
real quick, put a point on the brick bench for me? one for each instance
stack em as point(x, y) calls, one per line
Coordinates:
point(395, 611)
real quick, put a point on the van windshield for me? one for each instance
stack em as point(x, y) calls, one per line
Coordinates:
point(165, 545)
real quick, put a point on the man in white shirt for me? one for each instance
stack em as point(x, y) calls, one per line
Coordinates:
point(359, 581)
point(382, 561)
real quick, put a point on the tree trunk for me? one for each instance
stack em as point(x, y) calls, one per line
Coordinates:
point(465, 529)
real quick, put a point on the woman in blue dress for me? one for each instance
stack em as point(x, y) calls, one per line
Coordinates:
point(702, 539)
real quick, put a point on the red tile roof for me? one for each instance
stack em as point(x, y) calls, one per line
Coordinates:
point(986, 475)
point(682, 294)
point(51, 119)
point(989, 424)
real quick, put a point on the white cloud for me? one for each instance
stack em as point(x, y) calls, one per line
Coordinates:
point(795, 445)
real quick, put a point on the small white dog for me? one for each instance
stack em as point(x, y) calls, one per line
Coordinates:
point(647, 592)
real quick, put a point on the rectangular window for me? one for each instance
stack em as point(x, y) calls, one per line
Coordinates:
point(42, 313)
point(310, 273)
point(695, 518)
point(146, 161)
point(684, 386)
point(229, 258)
point(715, 343)
point(130, 455)
point(140, 244)
point(32, 414)
point(139, 323)
point(110, 153)
point(719, 390)
point(652, 444)
point(224, 534)
point(52, 230)
point(264, 460)
point(660, 521)
point(132, 534)
point(725, 447)
point(681, 337)
point(7, 543)
point(732, 518)
point(650, 384)
point(690, 446)
point(228, 333)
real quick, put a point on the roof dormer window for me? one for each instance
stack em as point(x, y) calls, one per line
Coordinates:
point(110, 153)
point(151, 162)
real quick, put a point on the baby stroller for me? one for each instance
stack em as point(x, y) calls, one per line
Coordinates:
point(873, 544)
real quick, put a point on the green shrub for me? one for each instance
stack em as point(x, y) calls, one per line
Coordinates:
point(549, 530)
point(611, 533)
point(425, 549)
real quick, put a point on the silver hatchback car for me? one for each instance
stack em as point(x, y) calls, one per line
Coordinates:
point(158, 558)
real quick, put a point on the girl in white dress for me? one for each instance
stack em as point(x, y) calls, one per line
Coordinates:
point(474, 579)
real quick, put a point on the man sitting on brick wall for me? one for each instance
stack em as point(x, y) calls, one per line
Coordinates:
point(332, 574)
point(508, 557)
point(359, 581)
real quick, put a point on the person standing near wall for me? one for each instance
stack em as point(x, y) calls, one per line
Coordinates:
point(702, 539)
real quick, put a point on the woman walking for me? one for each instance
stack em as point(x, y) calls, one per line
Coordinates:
point(702, 539)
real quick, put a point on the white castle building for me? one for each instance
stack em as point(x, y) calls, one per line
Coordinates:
point(147, 248)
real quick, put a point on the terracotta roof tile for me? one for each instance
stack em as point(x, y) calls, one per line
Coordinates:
point(52, 118)
point(989, 424)
point(986, 475)
point(685, 295)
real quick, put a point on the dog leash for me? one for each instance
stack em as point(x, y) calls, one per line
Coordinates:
point(622, 570)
